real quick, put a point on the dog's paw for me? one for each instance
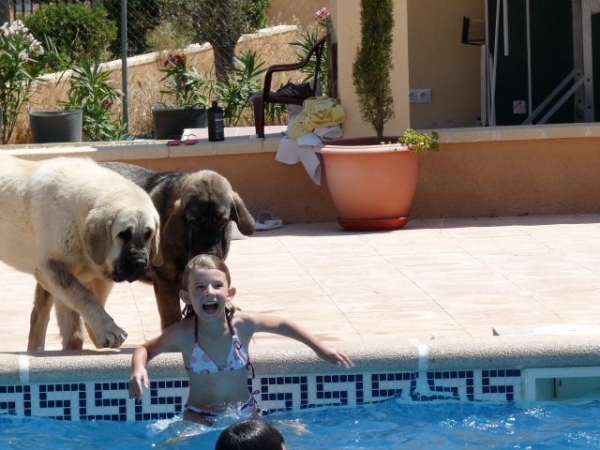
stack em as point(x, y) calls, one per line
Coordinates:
point(114, 337)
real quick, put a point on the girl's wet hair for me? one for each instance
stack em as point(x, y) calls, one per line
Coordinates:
point(205, 261)
point(250, 434)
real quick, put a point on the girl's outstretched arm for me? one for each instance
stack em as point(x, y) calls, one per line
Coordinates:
point(139, 380)
point(288, 328)
point(139, 375)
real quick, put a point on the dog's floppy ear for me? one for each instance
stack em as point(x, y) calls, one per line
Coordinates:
point(175, 225)
point(155, 250)
point(241, 216)
point(97, 237)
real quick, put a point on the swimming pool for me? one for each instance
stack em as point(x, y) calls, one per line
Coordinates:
point(93, 385)
point(387, 425)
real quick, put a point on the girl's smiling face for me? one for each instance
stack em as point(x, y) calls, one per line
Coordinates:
point(207, 292)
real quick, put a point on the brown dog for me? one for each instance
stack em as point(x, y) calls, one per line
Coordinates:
point(196, 210)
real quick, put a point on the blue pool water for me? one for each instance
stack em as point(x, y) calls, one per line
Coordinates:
point(388, 425)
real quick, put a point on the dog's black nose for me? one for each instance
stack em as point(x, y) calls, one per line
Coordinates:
point(139, 267)
point(132, 270)
point(140, 264)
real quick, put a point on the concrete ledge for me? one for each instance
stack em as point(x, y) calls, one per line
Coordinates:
point(147, 149)
point(519, 133)
point(479, 172)
point(493, 353)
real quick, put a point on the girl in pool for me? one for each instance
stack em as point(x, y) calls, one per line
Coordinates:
point(213, 338)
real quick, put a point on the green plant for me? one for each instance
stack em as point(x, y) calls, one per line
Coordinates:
point(184, 84)
point(219, 22)
point(21, 64)
point(242, 80)
point(90, 90)
point(188, 88)
point(275, 113)
point(303, 45)
point(143, 16)
point(419, 142)
point(373, 63)
point(78, 31)
point(166, 36)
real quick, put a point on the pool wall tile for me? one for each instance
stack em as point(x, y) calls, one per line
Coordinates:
point(109, 400)
point(94, 386)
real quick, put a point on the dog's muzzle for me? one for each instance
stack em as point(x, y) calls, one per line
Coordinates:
point(210, 241)
point(131, 269)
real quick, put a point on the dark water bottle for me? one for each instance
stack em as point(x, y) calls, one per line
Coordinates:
point(216, 124)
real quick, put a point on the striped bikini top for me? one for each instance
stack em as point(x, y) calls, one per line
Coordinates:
point(237, 359)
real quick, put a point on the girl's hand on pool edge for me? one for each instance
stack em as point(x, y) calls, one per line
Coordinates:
point(137, 382)
point(334, 356)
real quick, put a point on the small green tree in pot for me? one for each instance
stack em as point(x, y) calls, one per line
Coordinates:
point(371, 73)
point(373, 180)
point(373, 63)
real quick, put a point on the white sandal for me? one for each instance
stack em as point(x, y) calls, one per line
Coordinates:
point(267, 221)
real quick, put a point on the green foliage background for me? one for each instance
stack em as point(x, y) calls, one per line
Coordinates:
point(77, 31)
point(143, 16)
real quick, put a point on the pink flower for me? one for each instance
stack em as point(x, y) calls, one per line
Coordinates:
point(321, 14)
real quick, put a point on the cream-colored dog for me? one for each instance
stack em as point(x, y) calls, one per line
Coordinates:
point(78, 228)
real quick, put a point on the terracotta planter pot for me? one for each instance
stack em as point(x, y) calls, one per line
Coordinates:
point(372, 185)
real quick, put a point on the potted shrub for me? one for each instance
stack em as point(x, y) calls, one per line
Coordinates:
point(91, 90)
point(89, 112)
point(62, 124)
point(372, 180)
point(185, 86)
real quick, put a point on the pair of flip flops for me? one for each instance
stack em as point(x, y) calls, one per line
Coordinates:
point(265, 220)
point(185, 139)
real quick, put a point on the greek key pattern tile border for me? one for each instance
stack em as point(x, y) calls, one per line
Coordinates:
point(109, 400)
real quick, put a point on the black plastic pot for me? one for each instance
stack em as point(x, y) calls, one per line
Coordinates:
point(170, 122)
point(56, 126)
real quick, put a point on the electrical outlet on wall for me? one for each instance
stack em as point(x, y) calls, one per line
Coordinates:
point(424, 95)
point(413, 96)
point(419, 96)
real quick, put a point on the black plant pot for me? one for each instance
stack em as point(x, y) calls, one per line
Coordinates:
point(170, 122)
point(56, 126)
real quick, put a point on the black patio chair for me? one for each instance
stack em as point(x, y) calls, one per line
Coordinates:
point(290, 94)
